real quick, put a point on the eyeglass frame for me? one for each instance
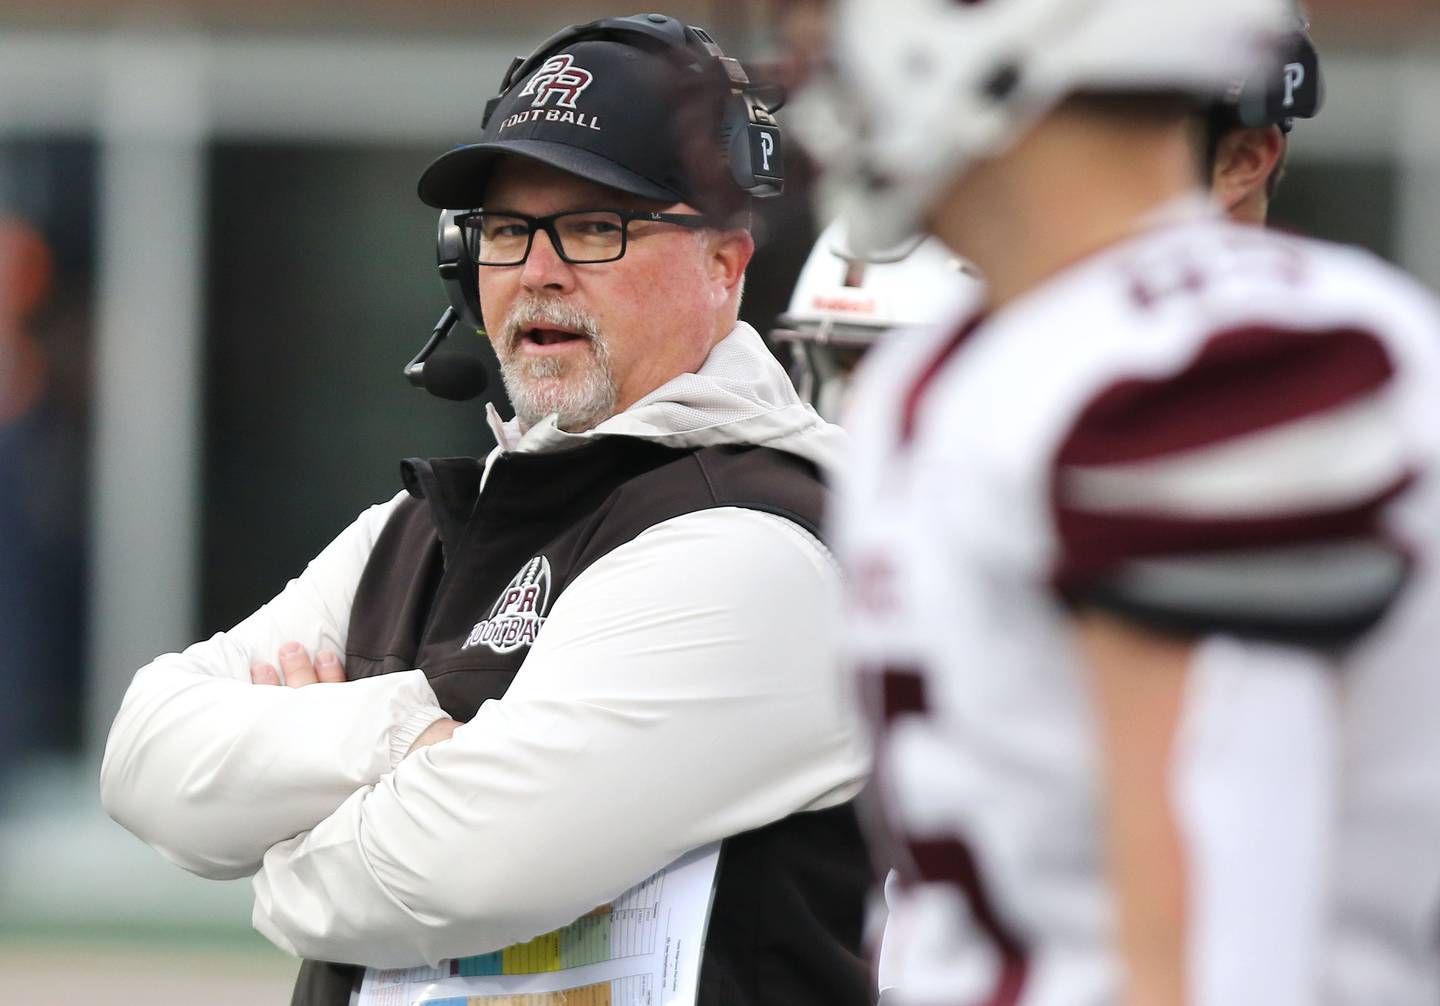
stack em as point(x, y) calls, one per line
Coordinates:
point(693, 221)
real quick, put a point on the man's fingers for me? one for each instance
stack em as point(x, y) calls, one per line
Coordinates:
point(299, 672)
point(328, 667)
point(295, 662)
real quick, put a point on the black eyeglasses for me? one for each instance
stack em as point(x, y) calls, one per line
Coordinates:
point(580, 237)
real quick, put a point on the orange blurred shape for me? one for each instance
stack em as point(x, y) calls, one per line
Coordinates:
point(27, 269)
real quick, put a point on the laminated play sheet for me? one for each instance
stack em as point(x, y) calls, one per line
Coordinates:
point(642, 949)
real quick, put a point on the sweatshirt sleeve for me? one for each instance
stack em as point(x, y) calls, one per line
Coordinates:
point(212, 770)
point(685, 688)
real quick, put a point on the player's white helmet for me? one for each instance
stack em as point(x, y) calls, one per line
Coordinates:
point(842, 303)
point(927, 87)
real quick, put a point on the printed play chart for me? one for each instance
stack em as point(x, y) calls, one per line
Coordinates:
point(642, 949)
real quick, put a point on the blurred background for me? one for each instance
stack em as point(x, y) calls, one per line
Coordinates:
point(213, 267)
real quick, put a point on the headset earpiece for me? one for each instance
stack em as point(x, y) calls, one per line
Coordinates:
point(757, 160)
point(457, 272)
point(455, 376)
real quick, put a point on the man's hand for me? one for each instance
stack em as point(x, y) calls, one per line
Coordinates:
point(436, 732)
point(299, 671)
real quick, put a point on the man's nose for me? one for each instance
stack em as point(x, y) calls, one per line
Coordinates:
point(545, 269)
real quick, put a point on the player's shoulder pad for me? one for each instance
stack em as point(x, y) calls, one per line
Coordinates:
point(1242, 489)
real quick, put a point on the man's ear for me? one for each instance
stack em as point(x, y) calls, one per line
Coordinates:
point(1244, 161)
point(730, 252)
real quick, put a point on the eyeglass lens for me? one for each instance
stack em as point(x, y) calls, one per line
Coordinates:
point(503, 239)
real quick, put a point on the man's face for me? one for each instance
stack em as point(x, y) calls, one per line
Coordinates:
point(588, 341)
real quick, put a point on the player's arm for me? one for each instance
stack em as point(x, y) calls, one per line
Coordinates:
point(1138, 685)
point(212, 770)
point(1219, 547)
point(683, 689)
point(1218, 758)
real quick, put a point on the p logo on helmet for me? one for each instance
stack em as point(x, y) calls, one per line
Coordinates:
point(1294, 79)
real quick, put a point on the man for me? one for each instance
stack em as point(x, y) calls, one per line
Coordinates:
point(1247, 133)
point(1143, 553)
point(607, 644)
point(844, 304)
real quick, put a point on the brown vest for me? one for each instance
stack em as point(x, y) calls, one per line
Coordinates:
point(457, 585)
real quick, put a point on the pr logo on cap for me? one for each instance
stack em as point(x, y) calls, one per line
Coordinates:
point(558, 76)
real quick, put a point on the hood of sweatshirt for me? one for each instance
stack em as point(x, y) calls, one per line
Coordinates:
point(740, 395)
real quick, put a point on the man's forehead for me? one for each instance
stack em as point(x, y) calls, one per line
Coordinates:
point(520, 184)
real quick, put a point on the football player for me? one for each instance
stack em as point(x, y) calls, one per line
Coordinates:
point(1144, 552)
point(1247, 132)
point(843, 303)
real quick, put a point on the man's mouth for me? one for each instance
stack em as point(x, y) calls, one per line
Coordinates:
point(549, 337)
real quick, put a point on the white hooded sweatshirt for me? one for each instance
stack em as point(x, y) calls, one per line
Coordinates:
point(685, 688)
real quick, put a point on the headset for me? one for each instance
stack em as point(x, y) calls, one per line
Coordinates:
point(751, 156)
point(1295, 89)
point(456, 376)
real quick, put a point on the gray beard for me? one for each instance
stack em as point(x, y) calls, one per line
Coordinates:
point(586, 394)
point(580, 403)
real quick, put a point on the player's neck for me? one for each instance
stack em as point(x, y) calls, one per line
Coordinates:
point(1071, 187)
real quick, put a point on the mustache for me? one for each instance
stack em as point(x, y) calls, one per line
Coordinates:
point(534, 311)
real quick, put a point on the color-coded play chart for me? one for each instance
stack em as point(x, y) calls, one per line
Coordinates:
point(642, 949)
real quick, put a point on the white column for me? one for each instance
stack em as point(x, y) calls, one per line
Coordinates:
point(147, 432)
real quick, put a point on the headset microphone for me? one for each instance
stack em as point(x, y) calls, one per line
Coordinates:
point(458, 377)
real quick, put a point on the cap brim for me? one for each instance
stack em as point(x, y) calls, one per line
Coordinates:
point(457, 180)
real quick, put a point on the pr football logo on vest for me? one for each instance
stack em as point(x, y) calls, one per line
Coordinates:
point(519, 611)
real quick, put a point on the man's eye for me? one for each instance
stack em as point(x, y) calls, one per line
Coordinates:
point(599, 227)
point(509, 231)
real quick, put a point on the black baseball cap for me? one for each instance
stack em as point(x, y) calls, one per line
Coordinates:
point(599, 109)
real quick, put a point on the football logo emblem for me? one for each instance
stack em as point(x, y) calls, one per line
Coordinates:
point(518, 613)
point(559, 78)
